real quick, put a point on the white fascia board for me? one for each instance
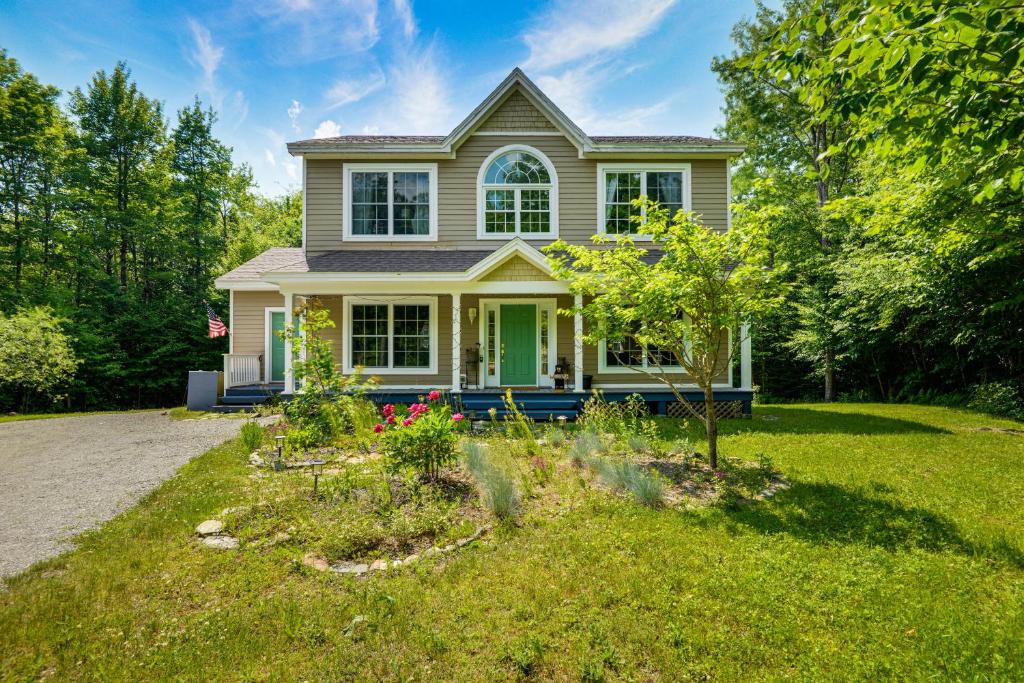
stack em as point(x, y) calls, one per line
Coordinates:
point(245, 285)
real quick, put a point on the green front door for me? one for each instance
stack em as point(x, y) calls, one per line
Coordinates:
point(518, 344)
point(276, 346)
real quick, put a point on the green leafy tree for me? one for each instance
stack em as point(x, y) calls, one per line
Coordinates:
point(689, 303)
point(122, 132)
point(31, 127)
point(36, 358)
point(785, 176)
point(201, 168)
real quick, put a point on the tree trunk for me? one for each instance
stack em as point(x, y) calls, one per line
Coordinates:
point(830, 379)
point(711, 426)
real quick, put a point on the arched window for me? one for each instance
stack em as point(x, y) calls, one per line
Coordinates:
point(517, 195)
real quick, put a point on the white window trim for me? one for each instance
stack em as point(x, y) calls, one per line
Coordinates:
point(349, 168)
point(604, 169)
point(346, 342)
point(551, 305)
point(481, 232)
point(604, 369)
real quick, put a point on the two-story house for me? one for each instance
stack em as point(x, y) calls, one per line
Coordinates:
point(425, 250)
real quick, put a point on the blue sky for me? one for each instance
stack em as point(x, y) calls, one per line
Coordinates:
point(280, 70)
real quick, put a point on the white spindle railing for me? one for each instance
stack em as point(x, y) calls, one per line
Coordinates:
point(241, 368)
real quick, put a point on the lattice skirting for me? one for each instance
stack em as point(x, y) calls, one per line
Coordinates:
point(725, 410)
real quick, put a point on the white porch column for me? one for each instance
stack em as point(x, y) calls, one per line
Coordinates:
point(289, 377)
point(746, 373)
point(456, 343)
point(577, 362)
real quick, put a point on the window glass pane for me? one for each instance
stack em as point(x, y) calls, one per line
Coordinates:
point(620, 191)
point(499, 211)
point(412, 336)
point(516, 168)
point(370, 203)
point(411, 199)
point(544, 325)
point(627, 353)
point(370, 336)
point(666, 188)
point(535, 215)
point(491, 342)
point(660, 357)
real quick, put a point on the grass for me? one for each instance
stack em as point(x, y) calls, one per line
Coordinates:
point(898, 553)
point(19, 417)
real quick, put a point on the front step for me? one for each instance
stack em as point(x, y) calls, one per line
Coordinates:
point(233, 408)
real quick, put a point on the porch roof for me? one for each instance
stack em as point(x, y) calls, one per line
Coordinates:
point(387, 261)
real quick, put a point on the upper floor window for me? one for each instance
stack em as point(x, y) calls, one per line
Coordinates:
point(620, 184)
point(390, 202)
point(517, 194)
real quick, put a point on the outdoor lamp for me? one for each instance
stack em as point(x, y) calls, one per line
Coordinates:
point(316, 468)
point(279, 442)
point(472, 315)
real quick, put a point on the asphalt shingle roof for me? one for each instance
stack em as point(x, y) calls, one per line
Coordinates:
point(371, 140)
point(271, 259)
point(288, 260)
point(438, 139)
point(388, 261)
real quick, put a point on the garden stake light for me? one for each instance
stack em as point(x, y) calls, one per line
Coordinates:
point(316, 468)
point(279, 461)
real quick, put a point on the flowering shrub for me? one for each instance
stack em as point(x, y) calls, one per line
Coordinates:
point(424, 439)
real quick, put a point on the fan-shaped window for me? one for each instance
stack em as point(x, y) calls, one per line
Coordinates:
point(518, 195)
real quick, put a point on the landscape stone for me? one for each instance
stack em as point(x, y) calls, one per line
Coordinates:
point(350, 568)
point(318, 563)
point(221, 542)
point(411, 558)
point(378, 565)
point(210, 527)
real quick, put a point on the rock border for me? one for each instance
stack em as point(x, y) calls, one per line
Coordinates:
point(360, 569)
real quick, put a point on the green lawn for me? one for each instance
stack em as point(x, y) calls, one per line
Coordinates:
point(19, 417)
point(898, 553)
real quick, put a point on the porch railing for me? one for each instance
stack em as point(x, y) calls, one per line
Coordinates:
point(241, 368)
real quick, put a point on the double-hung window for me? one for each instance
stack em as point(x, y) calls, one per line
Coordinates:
point(517, 195)
point(390, 202)
point(629, 355)
point(619, 185)
point(391, 335)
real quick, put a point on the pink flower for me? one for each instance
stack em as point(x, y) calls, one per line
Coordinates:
point(720, 474)
point(457, 417)
point(434, 395)
point(391, 419)
point(388, 410)
point(407, 421)
point(378, 428)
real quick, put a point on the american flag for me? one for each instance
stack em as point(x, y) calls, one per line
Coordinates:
point(217, 328)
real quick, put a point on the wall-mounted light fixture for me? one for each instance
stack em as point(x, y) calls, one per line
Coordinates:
point(472, 315)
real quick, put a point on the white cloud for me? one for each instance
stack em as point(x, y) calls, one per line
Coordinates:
point(420, 96)
point(293, 114)
point(575, 29)
point(269, 156)
point(371, 130)
point(348, 91)
point(292, 170)
point(206, 55)
point(327, 129)
point(403, 8)
point(316, 30)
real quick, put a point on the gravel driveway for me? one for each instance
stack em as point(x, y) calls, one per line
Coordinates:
point(61, 476)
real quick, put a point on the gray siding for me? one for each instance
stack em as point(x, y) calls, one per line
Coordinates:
point(577, 188)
